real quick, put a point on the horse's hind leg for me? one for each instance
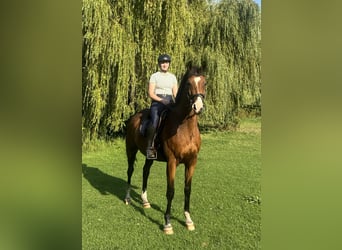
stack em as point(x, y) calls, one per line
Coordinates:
point(146, 173)
point(131, 153)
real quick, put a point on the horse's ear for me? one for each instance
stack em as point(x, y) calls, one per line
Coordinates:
point(189, 65)
point(204, 66)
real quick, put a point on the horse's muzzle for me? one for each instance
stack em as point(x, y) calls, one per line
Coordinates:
point(198, 105)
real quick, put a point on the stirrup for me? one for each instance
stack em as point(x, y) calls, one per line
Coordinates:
point(151, 154)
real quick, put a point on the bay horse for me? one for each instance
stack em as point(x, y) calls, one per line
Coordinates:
point(180, 142)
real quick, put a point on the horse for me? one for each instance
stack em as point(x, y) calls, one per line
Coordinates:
point(179, 138)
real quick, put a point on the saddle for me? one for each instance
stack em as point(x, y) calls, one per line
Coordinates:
point(146, 122)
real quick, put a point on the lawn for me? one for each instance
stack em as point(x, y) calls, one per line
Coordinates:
point(225, 201)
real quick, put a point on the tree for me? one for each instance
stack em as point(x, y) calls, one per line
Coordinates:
point(122, 39)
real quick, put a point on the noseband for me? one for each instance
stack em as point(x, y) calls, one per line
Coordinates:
point(193, 97)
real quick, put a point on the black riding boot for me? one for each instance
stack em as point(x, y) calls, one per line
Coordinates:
point(151, 152)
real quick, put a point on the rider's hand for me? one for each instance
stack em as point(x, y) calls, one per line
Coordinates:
point(165, 101)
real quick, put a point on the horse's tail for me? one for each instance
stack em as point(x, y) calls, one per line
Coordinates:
point(124, 127)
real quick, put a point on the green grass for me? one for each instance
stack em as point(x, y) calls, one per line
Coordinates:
point(225, 200)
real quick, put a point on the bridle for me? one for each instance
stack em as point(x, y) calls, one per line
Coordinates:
point(193, 97)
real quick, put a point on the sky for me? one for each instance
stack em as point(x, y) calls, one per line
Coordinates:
point(258, 2)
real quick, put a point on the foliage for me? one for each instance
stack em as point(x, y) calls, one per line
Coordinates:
point(122, 39)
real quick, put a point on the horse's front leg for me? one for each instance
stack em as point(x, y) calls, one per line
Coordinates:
point(189, 171)
point(170, 173)
point(146, 173)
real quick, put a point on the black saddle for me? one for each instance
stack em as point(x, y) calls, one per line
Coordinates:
point(146, 122)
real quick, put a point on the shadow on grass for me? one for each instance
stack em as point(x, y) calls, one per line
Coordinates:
point(107, 184)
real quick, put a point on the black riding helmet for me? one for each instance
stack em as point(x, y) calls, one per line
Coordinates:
point(164, 58)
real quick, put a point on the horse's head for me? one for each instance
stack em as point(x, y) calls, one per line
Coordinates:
point(197, 84)
point(191, 91)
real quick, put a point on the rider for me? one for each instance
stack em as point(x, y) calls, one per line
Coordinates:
point(162, 89)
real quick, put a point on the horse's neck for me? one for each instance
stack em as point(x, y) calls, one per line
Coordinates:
point(183, 113)
point(181, 118)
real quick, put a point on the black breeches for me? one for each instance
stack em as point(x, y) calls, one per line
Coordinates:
point(156, 109)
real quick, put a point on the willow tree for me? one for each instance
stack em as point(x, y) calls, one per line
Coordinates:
point(229, 41)
point(108, 66)
point(123, 38)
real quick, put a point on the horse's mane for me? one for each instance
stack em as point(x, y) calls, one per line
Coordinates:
point(192, 71)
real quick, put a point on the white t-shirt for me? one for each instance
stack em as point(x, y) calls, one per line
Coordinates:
point(164, 82)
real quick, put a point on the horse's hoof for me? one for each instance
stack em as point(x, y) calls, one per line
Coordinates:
point(168, 229)
point(146, 205)
point(190, 226)
point(127, 201)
